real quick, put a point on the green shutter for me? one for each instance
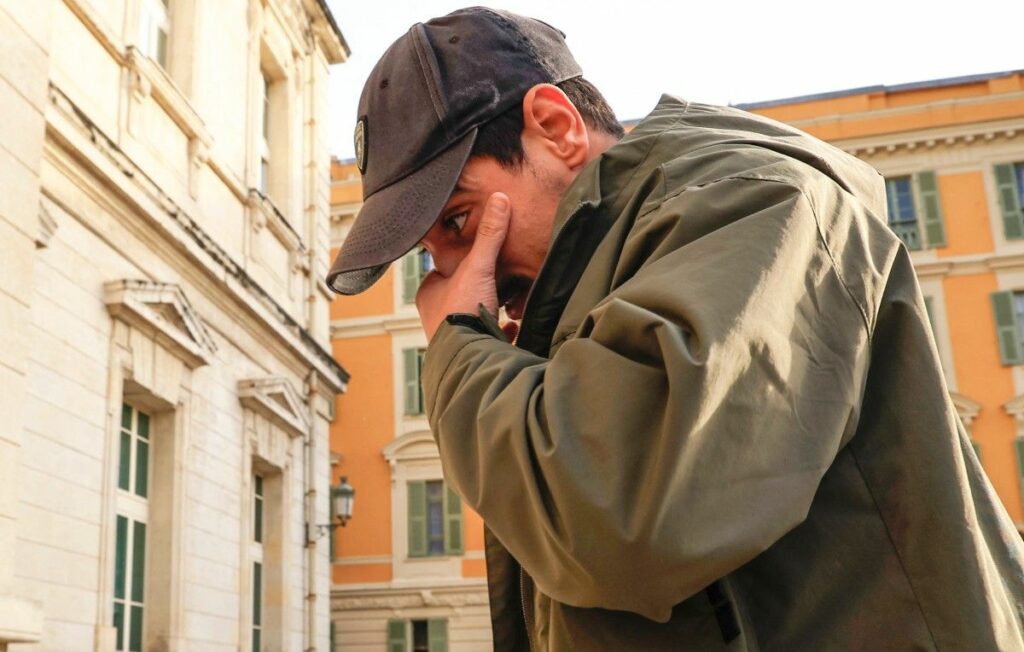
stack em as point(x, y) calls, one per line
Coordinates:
point(931, 315)
point(452, 523)
point(417, 519)
point(1006, 328)
point(396, 636)
point(412, 382)
point(1018, 444)
point(1009, 202)
point(931, 209)
point(410, 276)
point(437, 635)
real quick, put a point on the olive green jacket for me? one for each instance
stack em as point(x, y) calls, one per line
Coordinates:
point(724, 424)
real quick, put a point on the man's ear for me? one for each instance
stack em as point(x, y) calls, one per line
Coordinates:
point(552, 121)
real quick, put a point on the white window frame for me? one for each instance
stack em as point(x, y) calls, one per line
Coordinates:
point(154, 19)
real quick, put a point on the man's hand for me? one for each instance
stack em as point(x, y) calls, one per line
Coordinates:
point(472, 283)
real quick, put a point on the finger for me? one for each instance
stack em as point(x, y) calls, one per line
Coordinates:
point(491, 232)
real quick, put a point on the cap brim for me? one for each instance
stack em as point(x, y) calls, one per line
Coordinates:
point(396, 217)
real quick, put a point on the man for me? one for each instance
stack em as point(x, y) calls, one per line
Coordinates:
point(723, 424)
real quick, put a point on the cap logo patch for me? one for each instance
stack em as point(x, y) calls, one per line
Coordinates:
point(360, 143)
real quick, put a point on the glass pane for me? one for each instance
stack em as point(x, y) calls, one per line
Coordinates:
point(1018, 170)
point(257, 527)
point(126, 416)
point(435, 518)
point(161, 47)
point(138, 562)
point(420, 642)
point(120, 557)
point(143, 425)
point(119, 624)
point(259, 486)
point(1018, 309)
point(124, 463)
point(135, 636)
point(256, 640)
point(257, 593)
point(141, 468)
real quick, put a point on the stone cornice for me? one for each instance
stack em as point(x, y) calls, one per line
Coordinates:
point(927, 139)
point(69, 129)
point(467, 595)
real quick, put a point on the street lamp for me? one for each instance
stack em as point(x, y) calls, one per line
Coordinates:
point(343, 496)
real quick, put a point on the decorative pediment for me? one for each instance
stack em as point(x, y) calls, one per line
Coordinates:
point(161, 311)
point(966, 408)
point(1015, 408)
point(419, 445)
point(277, 400)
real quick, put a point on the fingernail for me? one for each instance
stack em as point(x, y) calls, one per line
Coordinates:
point(499, 202)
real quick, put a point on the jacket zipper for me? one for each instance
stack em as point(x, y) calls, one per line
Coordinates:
point(525, 593)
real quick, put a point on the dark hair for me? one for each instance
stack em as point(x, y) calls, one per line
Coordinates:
point(501, 138)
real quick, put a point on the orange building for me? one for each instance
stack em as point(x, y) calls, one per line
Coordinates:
point(952, 153)
point(408, 568)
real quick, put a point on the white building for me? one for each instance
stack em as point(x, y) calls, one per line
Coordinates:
point(165, 375)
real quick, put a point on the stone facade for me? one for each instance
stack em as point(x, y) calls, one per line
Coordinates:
point(165, 375)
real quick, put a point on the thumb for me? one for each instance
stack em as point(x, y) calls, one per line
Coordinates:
point(491, 232)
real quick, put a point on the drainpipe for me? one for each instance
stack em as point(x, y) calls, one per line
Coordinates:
point(309, 481)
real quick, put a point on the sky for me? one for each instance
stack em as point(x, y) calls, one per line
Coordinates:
point(725, 52)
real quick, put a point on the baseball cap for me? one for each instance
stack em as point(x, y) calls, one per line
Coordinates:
point(418, 118)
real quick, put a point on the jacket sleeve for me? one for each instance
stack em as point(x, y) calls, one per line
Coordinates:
point(687, 423)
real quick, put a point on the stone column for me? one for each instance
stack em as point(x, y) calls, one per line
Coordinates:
point(24, 84)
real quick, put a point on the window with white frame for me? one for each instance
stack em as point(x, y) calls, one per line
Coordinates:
point(915, 210)
point(435, 519)
point(418, 635)
point(256, 554)
point(155, 29)
point(264, 140)
point(130, 531)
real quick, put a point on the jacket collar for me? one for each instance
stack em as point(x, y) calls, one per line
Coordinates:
point(589, 207)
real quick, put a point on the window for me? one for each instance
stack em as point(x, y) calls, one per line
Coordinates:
point(256, 553)
point(130, 531)
point(257, 605)
point(1009, 316)
point(418, 635)
point(415, 265)
point(154, 29)
point(1010, 190)
point(435, 520)
point(915, 212)
point(264, 85)
point(412, 360)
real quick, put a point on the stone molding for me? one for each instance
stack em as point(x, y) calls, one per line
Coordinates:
point(161, 311)
point(47, 223)
point(1015, 408)
point(345, 600)
point(75, 136)
point(275, 399)
point(414, 446)
point(966, 408)
point(927, 139)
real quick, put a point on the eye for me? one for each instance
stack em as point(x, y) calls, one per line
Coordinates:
point(456, 221)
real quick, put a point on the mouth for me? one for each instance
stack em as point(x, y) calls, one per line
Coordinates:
point(512, 293)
